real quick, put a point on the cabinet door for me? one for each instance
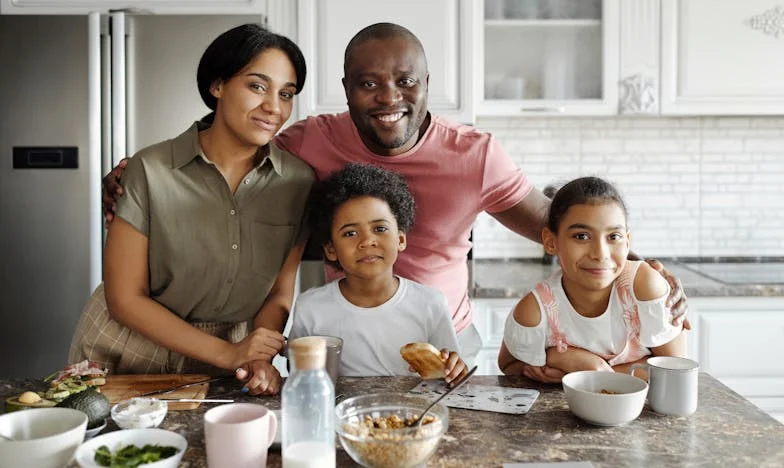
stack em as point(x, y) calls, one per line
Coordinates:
point(443, 26)
point(558, 57)
point(69, 7)
point(722, 57)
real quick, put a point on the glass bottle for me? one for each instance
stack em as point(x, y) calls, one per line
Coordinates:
point(308, 407)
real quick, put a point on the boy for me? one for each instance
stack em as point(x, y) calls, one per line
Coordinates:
point(360, 215)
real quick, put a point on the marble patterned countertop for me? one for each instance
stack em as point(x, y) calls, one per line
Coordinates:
point(514, 278)
point(726, 430)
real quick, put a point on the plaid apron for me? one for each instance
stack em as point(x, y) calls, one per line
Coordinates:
point(98, 337)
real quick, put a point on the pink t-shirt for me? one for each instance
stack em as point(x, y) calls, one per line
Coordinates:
point(454, 172)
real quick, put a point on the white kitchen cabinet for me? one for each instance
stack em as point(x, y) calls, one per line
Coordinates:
point(740, 341)
point(489, 318)
point(558, 57)
point(443, 26)
point(180, 7)
point(722, 57)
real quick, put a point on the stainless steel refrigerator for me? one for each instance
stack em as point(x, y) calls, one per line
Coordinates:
point(83, 91)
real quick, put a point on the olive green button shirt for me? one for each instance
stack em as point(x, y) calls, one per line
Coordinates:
point(213, 255)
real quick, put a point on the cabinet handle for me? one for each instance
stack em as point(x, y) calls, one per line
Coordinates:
point(543, 109)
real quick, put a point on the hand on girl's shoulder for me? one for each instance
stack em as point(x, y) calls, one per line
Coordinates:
point(649, 284)
point(527, 312)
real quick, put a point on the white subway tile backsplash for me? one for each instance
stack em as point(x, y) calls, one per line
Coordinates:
point(711, 186)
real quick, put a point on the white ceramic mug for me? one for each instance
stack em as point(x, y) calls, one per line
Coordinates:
point(673, 384)
point(237, 435)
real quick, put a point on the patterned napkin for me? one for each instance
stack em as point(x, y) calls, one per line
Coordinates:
point(480, 397)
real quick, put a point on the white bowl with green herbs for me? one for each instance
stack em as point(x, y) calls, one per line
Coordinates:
point(158, 448)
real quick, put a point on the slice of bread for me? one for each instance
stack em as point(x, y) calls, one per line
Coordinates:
point(425, 359)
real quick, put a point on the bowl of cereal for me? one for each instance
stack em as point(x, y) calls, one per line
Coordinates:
point(372, 429)
point(604, 398)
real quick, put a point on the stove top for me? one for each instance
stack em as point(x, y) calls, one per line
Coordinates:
point(741, 273)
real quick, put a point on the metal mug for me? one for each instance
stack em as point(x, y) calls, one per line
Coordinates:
point(672, 384)
point(334, 351)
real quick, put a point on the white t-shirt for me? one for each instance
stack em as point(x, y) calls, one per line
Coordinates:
point(603, 335)
point(372, 336)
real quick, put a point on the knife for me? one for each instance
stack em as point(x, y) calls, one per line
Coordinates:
point(178, 387)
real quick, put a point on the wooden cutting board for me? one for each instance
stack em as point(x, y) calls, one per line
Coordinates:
point(123, 387)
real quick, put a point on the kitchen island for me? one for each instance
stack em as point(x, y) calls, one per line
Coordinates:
point(726, 430)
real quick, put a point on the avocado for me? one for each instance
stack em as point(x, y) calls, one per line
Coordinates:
point(90, 402)
point(13, 404)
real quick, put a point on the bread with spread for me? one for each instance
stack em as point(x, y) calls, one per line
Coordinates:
point(425, 359)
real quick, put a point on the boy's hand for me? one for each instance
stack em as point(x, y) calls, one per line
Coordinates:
point(454, 367)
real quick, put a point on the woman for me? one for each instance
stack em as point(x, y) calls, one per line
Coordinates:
point(199, 265)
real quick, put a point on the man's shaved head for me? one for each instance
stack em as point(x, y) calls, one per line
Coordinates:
point(380, 31)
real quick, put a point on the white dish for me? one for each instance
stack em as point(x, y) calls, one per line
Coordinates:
point(586, 400)
point(94, 431)
point(139, 413)
point(42, 437)
point(85, 455)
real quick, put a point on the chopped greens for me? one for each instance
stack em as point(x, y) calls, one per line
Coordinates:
point(132, 456)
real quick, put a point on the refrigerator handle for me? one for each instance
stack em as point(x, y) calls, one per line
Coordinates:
point(94, 148)
point(119, 148)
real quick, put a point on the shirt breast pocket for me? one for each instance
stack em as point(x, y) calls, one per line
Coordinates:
point(271, 243)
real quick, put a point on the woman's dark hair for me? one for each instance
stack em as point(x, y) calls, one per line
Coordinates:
point(233, 50)
point(585, 190)
point(354, 181)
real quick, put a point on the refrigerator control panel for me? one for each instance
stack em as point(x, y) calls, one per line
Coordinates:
point(46, 157)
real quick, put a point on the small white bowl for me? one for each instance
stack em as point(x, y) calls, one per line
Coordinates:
point(85, 455)
point(584, 394)
point(94, 431)
point(139, 413)
point(43, 437)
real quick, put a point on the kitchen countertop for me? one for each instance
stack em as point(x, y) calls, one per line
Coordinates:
point(514, 278)
point(726, 430)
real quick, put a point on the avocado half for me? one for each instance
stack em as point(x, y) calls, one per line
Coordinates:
point(13, 404)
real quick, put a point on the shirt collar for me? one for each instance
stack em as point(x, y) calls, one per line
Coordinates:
point(186, 148)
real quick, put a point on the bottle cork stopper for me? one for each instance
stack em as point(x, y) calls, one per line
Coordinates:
point(309, 352)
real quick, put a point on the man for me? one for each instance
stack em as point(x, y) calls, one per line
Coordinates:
point(454, 171)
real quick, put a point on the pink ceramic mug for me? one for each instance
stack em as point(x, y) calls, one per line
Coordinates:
point(238, 435)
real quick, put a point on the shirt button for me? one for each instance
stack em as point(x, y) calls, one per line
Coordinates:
point(247, 181)
point(232, 212)
point(234, 246)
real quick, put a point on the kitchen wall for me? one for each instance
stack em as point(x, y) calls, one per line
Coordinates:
point(694, 186)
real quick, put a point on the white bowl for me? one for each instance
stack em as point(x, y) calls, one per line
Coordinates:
point(43, 437)
point(85, 455)
point(584, 394)
point(139, 413)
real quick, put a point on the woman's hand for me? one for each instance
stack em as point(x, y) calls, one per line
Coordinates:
point(111, 189)
point(454, 367)
point(260, 345)
point(260, 378)
point(677, 298)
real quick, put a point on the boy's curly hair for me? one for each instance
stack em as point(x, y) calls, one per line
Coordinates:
point(353, 181)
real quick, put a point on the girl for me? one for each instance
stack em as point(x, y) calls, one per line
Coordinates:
point(600, 311)
point(199, 264)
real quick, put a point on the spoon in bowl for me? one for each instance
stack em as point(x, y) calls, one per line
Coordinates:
point(418, 421)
